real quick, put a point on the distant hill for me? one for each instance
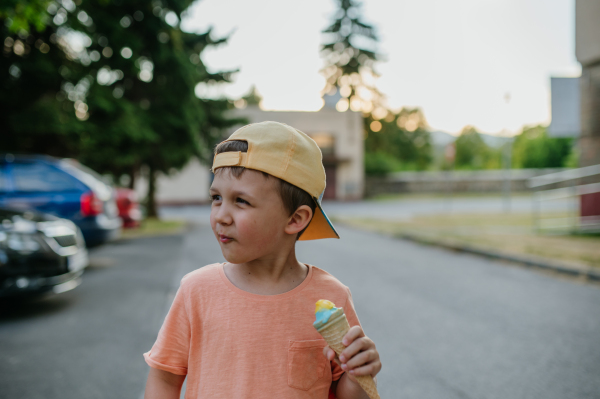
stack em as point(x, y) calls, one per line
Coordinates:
point(493, 141)
point(441, 139)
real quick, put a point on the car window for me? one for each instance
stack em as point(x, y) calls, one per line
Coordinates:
point(89, 177)
point(40, 177)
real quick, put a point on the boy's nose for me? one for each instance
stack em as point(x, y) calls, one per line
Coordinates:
point(223, 216)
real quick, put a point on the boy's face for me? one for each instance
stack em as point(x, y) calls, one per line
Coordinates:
point(247, 215)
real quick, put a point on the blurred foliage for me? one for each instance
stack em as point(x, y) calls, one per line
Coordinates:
point(23, 16)
point(380, 164)
point(349, 54)
point(399, 142)
point(253, 97)
point(473, 153)
point(534, 149)
point(109, 82)
point(572, 161)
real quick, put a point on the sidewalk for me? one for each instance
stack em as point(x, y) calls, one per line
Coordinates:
point(500, 236)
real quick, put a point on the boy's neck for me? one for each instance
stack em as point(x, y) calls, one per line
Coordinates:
point(271, 275)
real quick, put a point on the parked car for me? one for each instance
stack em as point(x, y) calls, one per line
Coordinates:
point(63, 188)
point(129, 207)
point(39, 253)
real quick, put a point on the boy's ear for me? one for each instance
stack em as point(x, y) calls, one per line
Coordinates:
point(299, 220)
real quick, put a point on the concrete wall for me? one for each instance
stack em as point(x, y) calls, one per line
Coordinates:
point(447, 182)
point(186, 187)
point(587, 31)
point(587, 17)
point(589, 142)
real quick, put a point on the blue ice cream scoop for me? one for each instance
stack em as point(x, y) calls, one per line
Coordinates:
point(324, 310)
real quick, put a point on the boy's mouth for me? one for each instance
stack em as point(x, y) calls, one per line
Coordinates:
point(224, 238)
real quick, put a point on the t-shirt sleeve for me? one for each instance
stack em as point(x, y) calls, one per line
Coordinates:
point(336, 370)
point(171, 349)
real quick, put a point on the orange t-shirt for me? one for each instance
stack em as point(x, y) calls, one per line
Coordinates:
point(235, 344)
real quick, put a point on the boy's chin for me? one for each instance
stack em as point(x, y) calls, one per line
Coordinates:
point(233, 257)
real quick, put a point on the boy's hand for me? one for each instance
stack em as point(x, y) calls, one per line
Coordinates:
point(360, 356)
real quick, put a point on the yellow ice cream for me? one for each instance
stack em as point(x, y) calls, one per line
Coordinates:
point(323, 312)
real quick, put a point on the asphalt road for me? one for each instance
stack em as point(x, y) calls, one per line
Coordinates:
point(447, 325)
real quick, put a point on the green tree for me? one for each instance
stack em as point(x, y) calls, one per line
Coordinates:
point(35, 66)
point(150, 69)
point(350, 57)
point(473, 153)
point(534, 149)
point(253, 97)
point(25, 16)
point(399, 142)
point(118, 90)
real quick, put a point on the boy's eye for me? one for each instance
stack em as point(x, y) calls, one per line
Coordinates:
point(216, 198)
point(241, 201)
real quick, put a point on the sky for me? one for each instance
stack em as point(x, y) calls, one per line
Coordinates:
point(455, 59)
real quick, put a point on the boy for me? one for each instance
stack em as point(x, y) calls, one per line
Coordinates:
point(243, 329)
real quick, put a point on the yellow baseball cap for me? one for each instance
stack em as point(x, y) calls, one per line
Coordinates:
point(287, 153)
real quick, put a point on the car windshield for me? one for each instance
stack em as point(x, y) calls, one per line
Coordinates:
point(91, 178)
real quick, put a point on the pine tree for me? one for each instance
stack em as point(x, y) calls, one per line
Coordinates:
point(350, 56)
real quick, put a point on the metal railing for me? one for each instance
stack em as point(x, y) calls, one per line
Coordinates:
point(572, 222)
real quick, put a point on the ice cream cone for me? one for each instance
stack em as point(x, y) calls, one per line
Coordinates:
point(333, 332)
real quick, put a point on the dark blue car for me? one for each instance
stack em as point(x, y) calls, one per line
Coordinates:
point(63, 188)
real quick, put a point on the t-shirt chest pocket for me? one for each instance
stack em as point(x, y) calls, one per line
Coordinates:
point(306, 363)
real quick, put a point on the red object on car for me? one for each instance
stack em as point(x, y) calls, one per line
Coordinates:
point(91, 205)
point(129, 207)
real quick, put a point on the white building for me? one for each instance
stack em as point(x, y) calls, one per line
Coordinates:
point(340, 135)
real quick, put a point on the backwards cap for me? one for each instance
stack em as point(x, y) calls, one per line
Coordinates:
point(286, 153)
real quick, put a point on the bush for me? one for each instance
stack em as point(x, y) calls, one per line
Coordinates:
point(380, 164)
point(534, 149)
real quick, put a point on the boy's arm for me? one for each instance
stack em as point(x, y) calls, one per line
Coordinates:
point(163, 385)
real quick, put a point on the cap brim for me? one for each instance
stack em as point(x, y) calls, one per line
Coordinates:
point(319, 227)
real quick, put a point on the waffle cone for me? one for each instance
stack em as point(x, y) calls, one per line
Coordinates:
point(333, 332)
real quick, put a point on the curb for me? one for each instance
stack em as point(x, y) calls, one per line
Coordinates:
point(571, 269)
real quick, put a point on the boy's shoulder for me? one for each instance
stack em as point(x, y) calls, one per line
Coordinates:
point(326, 280)
point(204, 275)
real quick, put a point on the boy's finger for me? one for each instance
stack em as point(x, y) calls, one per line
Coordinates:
point(352, 334)
point(329, 353)
point(361, 359)
point(369, 369)
point(355, 347)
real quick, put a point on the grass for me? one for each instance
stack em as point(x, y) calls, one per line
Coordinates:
point(508, 233)
point(446, 195)
point(154, 227)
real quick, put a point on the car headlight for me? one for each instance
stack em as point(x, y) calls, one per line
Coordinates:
point(22, 243)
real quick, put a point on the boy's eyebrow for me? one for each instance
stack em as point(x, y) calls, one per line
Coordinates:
point(235, 193)
point(242, 193)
